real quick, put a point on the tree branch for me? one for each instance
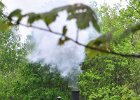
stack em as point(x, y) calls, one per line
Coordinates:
point(75, 41)
point(86, 46)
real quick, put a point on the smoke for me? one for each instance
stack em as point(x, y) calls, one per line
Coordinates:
point(65, 58)
point(68, 57)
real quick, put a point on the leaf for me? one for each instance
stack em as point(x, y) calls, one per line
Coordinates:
point(64, 30)
point(49, 17)
point(102, 42)
point(102, 39)
point(32, 17)
point(16, 13)
point(62, 40)
point(90, 53)
point(84, 16)
point(82, 13)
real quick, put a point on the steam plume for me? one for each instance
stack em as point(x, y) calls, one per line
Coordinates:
point(65, 58)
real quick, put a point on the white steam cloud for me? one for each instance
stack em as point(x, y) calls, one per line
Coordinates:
point(65, 58)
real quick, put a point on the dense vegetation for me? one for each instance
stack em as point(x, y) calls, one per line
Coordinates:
point(21, 80)
point(105, 76)
point(111, 77)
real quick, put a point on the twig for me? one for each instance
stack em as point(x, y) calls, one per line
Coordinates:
point(86, 46)
point(75, 41)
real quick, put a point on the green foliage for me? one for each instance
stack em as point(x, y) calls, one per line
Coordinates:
point(109, 78)
point(115, 93)
point(125, 25)
point(4, 26)
point(105, 77)
point(36, 82)
point(82, 13)
point(20, 80)
point(1, 5)
point(85, 15)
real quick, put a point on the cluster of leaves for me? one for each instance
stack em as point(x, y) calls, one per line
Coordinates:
point(80, 12)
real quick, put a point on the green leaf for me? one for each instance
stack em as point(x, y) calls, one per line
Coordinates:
point(102, 42)
point(65, 30)
point(49, 17)
point(16, 13)
point(32, 17)
point(62, 40)
point(106, 38)
point(82, 13)
point(92, 53)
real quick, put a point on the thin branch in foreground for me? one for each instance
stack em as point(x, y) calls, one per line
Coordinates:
point(86, 46)
point(75, 41)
